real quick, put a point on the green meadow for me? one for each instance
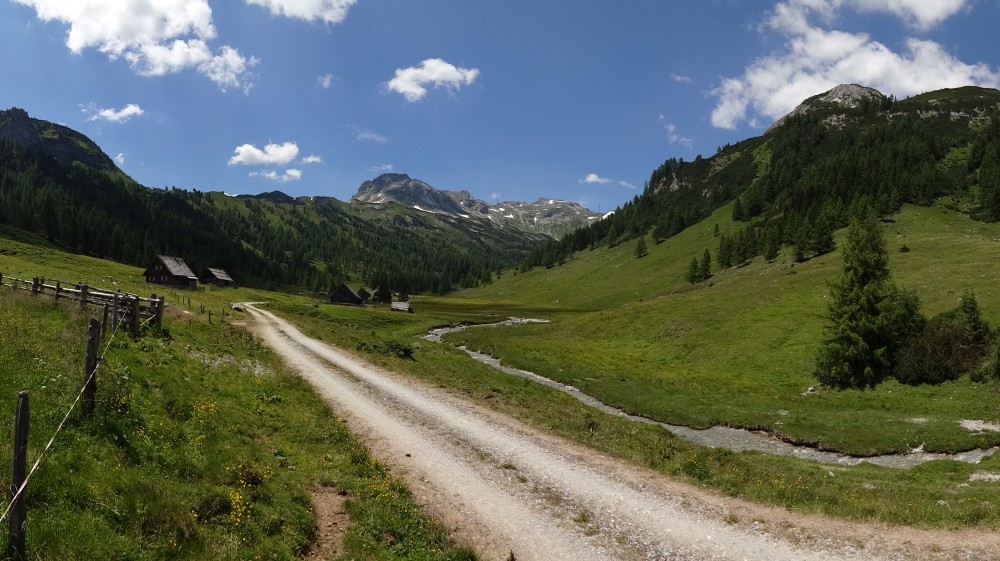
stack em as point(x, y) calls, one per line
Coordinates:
point(737, 350)
point(202, 446)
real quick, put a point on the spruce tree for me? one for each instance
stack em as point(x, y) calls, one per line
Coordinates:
point(640, 247)
point(869, 317)
point(693, 271)
point(705, 267)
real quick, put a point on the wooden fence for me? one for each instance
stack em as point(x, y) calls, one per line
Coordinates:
point(124, 307)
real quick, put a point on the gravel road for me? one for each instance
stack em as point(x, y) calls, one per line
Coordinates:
point(503, 487)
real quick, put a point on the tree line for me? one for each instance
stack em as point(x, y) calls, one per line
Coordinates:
point(260, 242)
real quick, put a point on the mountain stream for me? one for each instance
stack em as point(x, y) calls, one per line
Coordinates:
point(737, 440)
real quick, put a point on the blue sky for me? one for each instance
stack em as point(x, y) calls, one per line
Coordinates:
point(514, 100)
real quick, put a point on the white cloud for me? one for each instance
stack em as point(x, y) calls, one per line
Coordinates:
point(682, 79)
point(327, 11)
point(272, 154)
point(672, 135)
point(366, 135)
point(384, 168)
point(289, 175)
point(111, 115)
point(120, 159)
point(326, 80)
point(155, 38)
point(312, 160)
point(594, 178)
point(410, 81)
point(816, 58)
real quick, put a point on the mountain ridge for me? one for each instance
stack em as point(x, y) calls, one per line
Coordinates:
point(54, 140)
point(549, 216)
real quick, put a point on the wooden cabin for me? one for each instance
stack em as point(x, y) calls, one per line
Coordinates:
point(345, 296)
point(170, 271)
point(218, 277)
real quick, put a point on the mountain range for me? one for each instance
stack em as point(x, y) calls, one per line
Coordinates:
point(546, 216)
point(791, 186)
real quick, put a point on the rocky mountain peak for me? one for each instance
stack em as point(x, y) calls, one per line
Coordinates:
point(851, 95)
point(844, 95)
point(548, 216)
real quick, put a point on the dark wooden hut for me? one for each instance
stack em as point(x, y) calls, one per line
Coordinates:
point(344, 295)
point(170, 271)
point(218, 277)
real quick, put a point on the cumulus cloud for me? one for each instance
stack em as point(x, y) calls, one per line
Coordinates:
point(680, 79)
point(366, 135)
point(113, 115)
point(288, 175)
point(311, 160)
point(410, 81)
point(327, 11)
point(326, 80)
point(155, 38)
point(594, 178)
point(272, 154)
point(816, 58)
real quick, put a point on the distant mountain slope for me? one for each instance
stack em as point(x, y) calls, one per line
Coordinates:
point(547, 216)
point(54, 140)
point(56, 182)
point(792, 186)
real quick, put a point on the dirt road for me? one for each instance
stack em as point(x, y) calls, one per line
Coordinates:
point(501, 486)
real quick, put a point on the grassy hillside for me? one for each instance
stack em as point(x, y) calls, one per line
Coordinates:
point(739, 350)
point(203, 445)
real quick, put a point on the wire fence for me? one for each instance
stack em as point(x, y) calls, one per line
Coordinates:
point(14, 512)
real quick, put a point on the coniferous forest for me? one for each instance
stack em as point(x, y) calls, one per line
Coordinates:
point(800, 181)
point(262, 241)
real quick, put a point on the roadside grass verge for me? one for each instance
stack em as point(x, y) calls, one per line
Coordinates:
point(202, 447)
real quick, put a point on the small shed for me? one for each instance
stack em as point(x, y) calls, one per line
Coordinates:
point(344, 295)
point(400, 307)
point(218, 277)
point(170, 271)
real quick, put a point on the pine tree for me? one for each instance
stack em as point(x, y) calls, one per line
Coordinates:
point(640, 247)
point(705, 267)
point(869, 317)
point(693, 271)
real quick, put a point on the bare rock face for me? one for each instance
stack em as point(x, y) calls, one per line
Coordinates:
point(844, 95)
point(54, 140)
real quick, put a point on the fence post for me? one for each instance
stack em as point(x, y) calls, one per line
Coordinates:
point(1, 279)
point(104, 323)
point(34, 285)
point(18, 511)
point(158, 311)
point(84, 294)
point(58, 288)
point(210, 316)
point(90, 369)
point(134, 311)
point(114, 311)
